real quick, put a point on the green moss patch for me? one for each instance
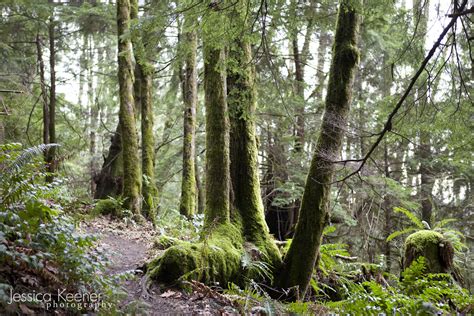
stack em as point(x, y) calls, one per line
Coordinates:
point(432, 245)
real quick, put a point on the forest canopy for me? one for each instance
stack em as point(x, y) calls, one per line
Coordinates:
point(240, 157)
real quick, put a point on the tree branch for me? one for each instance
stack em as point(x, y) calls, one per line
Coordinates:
point(388, 123)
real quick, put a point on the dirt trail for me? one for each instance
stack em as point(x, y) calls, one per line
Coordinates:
point(128, 248)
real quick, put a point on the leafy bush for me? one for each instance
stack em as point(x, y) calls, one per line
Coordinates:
point(40, 249)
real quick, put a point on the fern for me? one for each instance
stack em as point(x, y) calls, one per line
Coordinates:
point(444, 222)
point(25, 157)
point(401, 232)
point(410, 215)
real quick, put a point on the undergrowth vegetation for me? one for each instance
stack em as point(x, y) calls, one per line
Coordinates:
point(40, 248)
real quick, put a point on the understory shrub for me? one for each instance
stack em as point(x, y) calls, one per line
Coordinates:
point(40, 249)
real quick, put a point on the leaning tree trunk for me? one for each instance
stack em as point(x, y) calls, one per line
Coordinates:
point(131, 170)
point(301, 257)
point(188, 201)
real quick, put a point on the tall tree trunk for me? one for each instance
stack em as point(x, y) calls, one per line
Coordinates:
point(143, 92)
point(217, 137)
point(51, 153)
point(44, 91)
point(423, 151)
point(301, 257)
point(245, 180)
point(94, 115)
point(131, 170)
point(188, 184)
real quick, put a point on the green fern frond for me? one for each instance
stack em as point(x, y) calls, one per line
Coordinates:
point(444, 222)
point(25, 157)
point(401, 232)
point(410, 215)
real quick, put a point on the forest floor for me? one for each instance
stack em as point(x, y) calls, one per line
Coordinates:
point(128, 248)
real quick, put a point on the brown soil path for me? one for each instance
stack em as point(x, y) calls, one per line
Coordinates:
point(128, 248)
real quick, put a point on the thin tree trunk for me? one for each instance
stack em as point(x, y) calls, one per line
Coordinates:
point(94, 116)
point(143, 92)
point(188, 184)
point(201, 199)
point(51, 153)
point(423, 151)
point(301, 257)
point(44, 91)
point(387, 203)
point(131, 170)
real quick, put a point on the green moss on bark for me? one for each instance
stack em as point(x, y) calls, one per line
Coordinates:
point(243, 151)
point(149, 190)
point(188, 202)
point(437, 251)
point(131, 174)
point(217, 137)
point(301, 257)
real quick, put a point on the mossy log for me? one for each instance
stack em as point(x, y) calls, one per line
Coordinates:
point(434, 247)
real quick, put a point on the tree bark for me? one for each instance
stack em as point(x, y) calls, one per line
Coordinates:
point(245, 180)
point(217, 137)
point(94, 115)
point(423, 151)
point(109, 182)
point(51, 152)
point(131, 170)
point(143, 100)
point(188, 184)
point(301, 257)
point(44, 91)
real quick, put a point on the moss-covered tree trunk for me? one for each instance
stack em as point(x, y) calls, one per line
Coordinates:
point(109, 181)
point(131, 169)
point(217, 137)
point(149, 190)
point(217, 257)
point(189, 200)
point(143, 94)
point(301, 257)
point(243, 150)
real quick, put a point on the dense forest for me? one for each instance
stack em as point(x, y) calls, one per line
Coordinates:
point(263, 157)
